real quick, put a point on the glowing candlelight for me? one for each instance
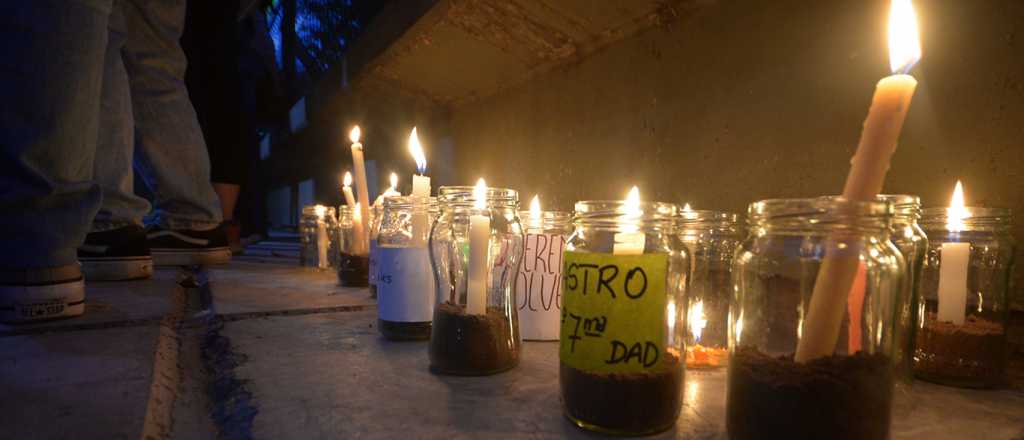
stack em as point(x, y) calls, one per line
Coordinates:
point(867, 175)
point(630, 242)
point(954, 260)
point(479, 251)
point(363, 196)
point(697, 320)
point(321, 236)
point(346, 188)
point(420, 182)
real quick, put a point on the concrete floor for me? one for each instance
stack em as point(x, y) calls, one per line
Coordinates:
point(268, 350)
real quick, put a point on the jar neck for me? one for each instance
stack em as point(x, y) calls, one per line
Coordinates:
point(701, 221)
point(318, 211)
point(906, 207)
point(546, 220)
point(978, 219)
point(822, 215)
point(410, 204)
point(617, 215)
point(464, 197)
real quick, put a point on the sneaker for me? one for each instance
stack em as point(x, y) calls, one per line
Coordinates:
point(41, 294)
point(115, 255)
point(187, 247)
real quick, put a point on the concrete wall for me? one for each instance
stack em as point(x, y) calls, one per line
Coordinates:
point(746, 100)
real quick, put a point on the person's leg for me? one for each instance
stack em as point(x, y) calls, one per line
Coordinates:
point(50, 87)
point(115, 248)
point(170, 151)
point(228, 195)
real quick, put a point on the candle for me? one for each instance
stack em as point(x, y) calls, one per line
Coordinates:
point(350, 200)
point(953, 263)
point(420, 188)
point(363, 197)
point(630, 241)
point(321, 236)
point(479, 252)
point(346, 188)
point(863, 183)
point(392, 190)
point(536, 218)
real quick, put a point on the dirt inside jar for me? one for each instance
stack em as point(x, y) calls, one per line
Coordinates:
point(404, 331)
point(973, 355)
point(624, 403)
point(354, 270)
point(472, 345)
point(834, 397)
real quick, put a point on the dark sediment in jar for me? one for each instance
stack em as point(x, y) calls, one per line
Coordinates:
point(354, 270)
point(973, 355)
point(472, 345)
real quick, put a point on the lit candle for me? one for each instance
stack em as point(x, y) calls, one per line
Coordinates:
point(420, 189)
point(350, 200)
point(953, 263)
point(346, 188)
point(479, 252)
point(864, 181)
point(536, 217)
point(363, 196)
point(321, 236)
point(630, 241)
point(392, 190)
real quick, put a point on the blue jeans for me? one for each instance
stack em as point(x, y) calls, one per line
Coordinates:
point(57, 152)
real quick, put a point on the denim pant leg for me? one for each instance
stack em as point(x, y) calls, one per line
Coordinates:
point(115, 148)
point(170, 152)
point(50, 89)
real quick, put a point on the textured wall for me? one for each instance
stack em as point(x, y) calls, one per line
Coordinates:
point(746, 100)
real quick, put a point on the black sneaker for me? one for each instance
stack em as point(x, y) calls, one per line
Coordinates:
point(115, 255)
point(188, 248)
point(41, 294)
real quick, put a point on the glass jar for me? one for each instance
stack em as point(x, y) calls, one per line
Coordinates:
point(475, 248)
point(620, 348)
point(711, 237)
point(807, 362)
point(318, 237)
point(405, 286)
point(538, 286)
point(354, 261)
point(376, 217)
point(965, 285)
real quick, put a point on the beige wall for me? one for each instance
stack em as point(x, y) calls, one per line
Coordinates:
point(746, 100)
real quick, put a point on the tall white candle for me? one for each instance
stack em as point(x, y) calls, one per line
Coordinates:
point(868, 168)
point(321, 236)
point(363, 197)
point(953, 263)
point(346, 189)
point(479, 252)
point(631, 241)
point(420, 188)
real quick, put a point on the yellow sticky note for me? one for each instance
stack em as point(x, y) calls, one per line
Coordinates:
point(613, 311)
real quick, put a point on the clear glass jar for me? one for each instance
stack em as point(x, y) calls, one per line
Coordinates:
point(621, 346)
point(837, 390)
point(318, 237)
point(405, 286)
point(376, 217)
point(711, 237)
point(965, 285)
point(475, 254)
point(538, 286)
point(353, 263)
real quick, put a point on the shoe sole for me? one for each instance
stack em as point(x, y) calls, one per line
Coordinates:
point(117, 268)
point(22, 304)
point(190, 257)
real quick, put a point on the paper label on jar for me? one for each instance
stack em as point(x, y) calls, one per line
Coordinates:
point(613, 312)
point(373, 262)
point(539, 287)
point(405, 285)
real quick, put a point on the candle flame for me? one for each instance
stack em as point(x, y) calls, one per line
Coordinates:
point(957, 211)
point(686, 208)
point(480, 194)
point(417, 152)
point(347, 180)
point(632, 204)
point(697, 320)
point(535, 207)
point(904, 41)
point(393, 180)
point(320, 211)
point(671, 311)
point(354, 135)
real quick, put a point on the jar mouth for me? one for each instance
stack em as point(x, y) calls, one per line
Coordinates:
point(706, 216)
point(464, 196)
point(978, 216)
point(614, 213)
point(547, 219)
point(409, 202)
point(824, 212)
point(905, 206)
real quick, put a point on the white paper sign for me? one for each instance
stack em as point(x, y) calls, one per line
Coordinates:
point(539, 287)
point(405, 284)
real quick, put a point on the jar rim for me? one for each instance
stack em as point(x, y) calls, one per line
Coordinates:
point(706, 216)
point(465, 195)
point(409, 202)
point(821, 213)
point(976, 212)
